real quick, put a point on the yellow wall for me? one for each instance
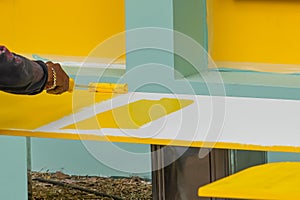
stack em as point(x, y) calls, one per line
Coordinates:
point(60, 27)
point(265, 31)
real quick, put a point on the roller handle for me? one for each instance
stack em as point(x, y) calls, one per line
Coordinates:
point(71, 85)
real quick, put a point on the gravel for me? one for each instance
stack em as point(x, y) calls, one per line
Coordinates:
point(60, 186)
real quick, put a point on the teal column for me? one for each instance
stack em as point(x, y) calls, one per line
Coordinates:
point(149, 26)
point(156, 31)
point(13, 171)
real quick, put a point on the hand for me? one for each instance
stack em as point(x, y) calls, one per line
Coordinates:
point(58, 80)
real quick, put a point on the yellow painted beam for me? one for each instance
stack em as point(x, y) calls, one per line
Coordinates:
point(276, 181)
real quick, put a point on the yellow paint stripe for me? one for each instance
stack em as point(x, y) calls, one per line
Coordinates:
point(133, 115)
point(218, 145)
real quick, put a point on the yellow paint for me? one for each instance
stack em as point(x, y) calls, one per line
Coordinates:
point(268, 181)
point(61, 27)
point(133, 115)
point(31, 112)
point(117, 88)
point(263, 31)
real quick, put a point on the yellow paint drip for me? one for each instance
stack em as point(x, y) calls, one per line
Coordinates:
point(133, 115)
point(268, 181)
point(31, 112)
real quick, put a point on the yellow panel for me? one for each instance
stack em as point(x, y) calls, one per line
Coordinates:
point(31, 112)
point(133, 115)
point(264, 31)
point(60, 27)
point(268, 181)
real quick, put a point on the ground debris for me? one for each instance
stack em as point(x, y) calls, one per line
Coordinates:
point(134, 188)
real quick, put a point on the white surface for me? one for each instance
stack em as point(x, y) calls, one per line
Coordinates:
point(264, 122)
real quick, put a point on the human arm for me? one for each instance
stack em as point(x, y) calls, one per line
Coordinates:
point(20, 75)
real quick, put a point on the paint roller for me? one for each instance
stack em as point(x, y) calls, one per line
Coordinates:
point(117, 88)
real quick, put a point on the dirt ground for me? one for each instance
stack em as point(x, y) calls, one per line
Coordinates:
point(59, 186)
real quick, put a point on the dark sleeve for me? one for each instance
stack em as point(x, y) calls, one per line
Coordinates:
point(20, 75)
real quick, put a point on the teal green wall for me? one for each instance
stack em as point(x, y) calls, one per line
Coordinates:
point(283, 157)
point(13, 174)
point(73, 157)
